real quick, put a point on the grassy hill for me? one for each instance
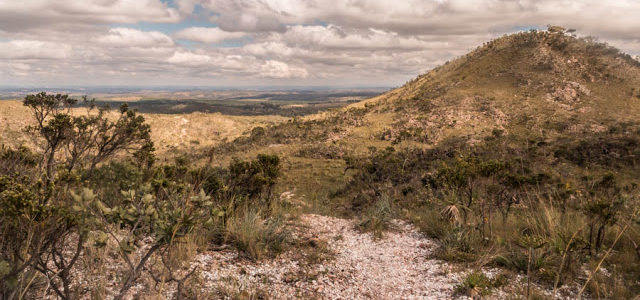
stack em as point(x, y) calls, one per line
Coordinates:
point(525, 148)
point(172, 133)
point(531, 85)
point(526, 83)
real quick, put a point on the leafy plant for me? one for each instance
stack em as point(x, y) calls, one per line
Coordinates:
point(474, 283)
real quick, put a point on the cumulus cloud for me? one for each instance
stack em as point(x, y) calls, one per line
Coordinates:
point(278, 69)
point(29, 49)
point(335, 37)
point(127, 37)
point(207, 34)
point(215, 62)
point(24, 14)
point(444, 17)
point(257, 16)
point(19, 69)
point(189, 59)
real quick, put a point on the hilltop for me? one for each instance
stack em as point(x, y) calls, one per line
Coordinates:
point(566, 94)
point(537, 82)
point(529, 85)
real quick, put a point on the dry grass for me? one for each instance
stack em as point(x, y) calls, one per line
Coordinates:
point(184, 132)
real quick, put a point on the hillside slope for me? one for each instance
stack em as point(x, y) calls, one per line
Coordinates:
point(532, 82)
point(531, 88)
point(528, 146)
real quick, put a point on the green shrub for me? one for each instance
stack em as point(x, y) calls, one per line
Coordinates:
point(111, 178)
point(254, 179)
point(477, 283)
point(459, 245)
point(474, 283)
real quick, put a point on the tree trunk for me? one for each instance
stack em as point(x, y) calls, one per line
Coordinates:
point(599, 237)
point(590, 238)
point(133, 275)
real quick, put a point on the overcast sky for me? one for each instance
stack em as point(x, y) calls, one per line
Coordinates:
point(273, 42)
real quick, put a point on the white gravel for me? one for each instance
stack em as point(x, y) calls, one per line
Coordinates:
point(355, 266)
point(394, 267)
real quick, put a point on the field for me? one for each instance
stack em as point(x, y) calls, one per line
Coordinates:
point(170, 132)
point(192, 120)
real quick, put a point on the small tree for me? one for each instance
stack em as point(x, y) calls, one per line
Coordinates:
point(254, 179)
point(42, 229)
point(83, 141)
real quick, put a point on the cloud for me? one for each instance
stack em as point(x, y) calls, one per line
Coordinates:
point(19, 69)
point(280, 70)
point(334, 37)
point(420, 17)
point(381, 42)
point(201, 63)
point(247, 16)
point(274, 47)
point(29, 49)
point(127, 37)
point(25, 14)
point(189, 59)
point(207, 34)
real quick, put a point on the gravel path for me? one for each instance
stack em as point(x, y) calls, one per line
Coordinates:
point(395, 267)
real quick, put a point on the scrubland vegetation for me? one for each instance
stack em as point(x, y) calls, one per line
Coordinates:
point(91, 195)
point(521, 157)
point(511, 208)
point(172, 133)
point(545, 186)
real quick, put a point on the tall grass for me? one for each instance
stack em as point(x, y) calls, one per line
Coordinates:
point(256, 236)
point(377, 219)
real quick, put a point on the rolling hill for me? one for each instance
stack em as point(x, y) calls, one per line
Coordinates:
point(544, 83)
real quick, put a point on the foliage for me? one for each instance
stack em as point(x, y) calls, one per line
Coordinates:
point(256, 236)
point(79, 142)
point(254, 179)
point(294, 130)
point(506, 206)
point(92, 196)
point(474, 283)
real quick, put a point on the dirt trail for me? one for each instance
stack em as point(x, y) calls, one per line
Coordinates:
point(395, 267)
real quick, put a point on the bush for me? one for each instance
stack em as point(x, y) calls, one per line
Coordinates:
point(474, 283)
point(525, 205)
point(378, 217)
point(256, 236)
point(254, 179)
point(93, 195)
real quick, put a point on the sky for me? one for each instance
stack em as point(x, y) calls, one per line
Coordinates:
point(236, 43)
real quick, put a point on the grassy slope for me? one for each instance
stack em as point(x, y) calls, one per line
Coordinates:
point(170, 132)
point(531, 85)
point(525, 83)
